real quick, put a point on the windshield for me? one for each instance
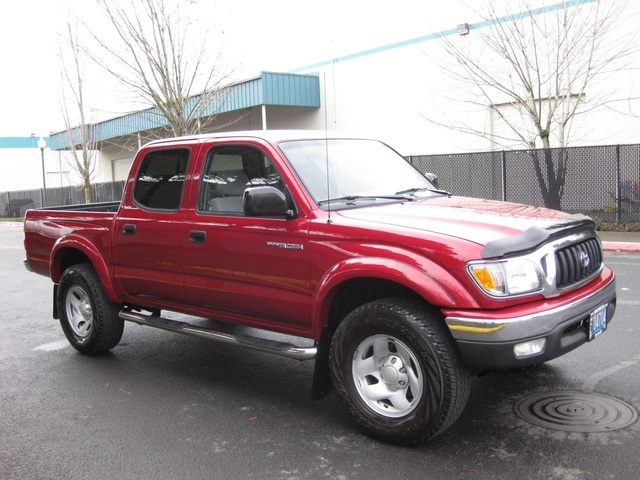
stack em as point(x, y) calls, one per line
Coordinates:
point(358, 170)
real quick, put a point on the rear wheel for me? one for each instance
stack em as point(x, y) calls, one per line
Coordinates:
point(89, 320)
point(396, 371)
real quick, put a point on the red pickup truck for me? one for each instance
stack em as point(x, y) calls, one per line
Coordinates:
point(398, 290)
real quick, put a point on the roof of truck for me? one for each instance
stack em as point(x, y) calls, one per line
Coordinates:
point(273, 136)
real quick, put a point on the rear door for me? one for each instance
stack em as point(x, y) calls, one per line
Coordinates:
point(147, 260)
point(245, 268)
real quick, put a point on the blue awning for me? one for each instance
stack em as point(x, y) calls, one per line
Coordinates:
point(282, 89)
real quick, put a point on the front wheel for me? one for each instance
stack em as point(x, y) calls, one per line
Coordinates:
point(89, 320)
point(396, 371)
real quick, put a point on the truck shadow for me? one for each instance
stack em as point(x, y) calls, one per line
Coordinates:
point(216, 376)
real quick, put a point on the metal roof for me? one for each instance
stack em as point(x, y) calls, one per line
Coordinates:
point(269, 88)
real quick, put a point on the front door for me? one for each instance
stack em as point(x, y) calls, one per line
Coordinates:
point(243, 268)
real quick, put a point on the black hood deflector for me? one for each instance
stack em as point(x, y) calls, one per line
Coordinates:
point(534, 237)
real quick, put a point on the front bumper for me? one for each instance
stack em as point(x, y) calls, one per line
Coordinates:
point(488, 344)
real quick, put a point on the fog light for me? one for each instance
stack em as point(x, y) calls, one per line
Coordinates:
point(529, 349)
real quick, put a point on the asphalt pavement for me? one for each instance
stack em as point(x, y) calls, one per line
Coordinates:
point(167, 406)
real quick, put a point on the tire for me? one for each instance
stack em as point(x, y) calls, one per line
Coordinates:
point(89, 320)
point(396, 371)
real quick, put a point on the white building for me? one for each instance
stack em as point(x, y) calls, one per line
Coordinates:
point(396, 92)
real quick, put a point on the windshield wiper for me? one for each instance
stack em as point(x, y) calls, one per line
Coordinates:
point(351, 198)
point(423, 189)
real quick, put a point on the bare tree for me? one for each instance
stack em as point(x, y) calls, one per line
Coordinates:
point(153, 57)
point(535, 73)
point(81, 151)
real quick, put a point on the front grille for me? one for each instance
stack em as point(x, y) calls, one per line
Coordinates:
point(577, 262)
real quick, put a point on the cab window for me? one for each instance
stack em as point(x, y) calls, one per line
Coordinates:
point(160, 180)
point(228, 172)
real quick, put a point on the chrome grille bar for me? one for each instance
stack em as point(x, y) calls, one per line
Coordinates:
point(576, 262)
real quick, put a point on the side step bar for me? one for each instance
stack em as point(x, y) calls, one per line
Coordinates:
point(255, 343)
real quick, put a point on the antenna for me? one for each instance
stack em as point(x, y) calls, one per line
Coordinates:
point(326, 143)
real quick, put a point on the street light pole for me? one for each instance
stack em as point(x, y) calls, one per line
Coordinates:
point(41, 145)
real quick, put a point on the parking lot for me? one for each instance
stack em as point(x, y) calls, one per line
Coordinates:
point(161, 405)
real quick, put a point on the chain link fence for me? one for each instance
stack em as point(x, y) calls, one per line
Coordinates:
point(14, 204)
point(599, 181)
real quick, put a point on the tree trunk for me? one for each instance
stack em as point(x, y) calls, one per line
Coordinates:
point(87, 190)
point(550, 175)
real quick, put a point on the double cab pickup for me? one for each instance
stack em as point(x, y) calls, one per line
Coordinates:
point(399, 291)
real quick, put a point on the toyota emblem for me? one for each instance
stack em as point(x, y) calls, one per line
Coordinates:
point(584, 259)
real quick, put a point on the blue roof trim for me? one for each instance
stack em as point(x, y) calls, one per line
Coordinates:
point(21, 142)
point(291, 90)
point(443, 33)
point(270, 88)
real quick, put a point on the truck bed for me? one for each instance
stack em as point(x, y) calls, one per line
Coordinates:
point(87, 207)
point(44, 228)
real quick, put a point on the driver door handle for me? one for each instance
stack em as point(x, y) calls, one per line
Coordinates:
point(197, 236)
point(129, 229)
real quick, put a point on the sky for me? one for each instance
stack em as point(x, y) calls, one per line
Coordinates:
point(256, 35)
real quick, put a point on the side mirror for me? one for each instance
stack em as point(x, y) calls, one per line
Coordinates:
point(265, 201)
point(433, 178)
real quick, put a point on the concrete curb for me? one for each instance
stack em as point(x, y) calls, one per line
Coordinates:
point(621, 246)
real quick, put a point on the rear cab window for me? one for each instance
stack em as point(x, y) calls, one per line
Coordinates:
point(160, 180)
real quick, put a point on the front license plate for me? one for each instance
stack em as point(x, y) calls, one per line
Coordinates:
point(598, 321)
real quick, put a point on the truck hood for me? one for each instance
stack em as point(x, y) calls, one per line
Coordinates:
point(476, 220)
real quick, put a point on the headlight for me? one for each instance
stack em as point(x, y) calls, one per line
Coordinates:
point(514, 276)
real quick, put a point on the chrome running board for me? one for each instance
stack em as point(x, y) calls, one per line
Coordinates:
point(255, 343)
